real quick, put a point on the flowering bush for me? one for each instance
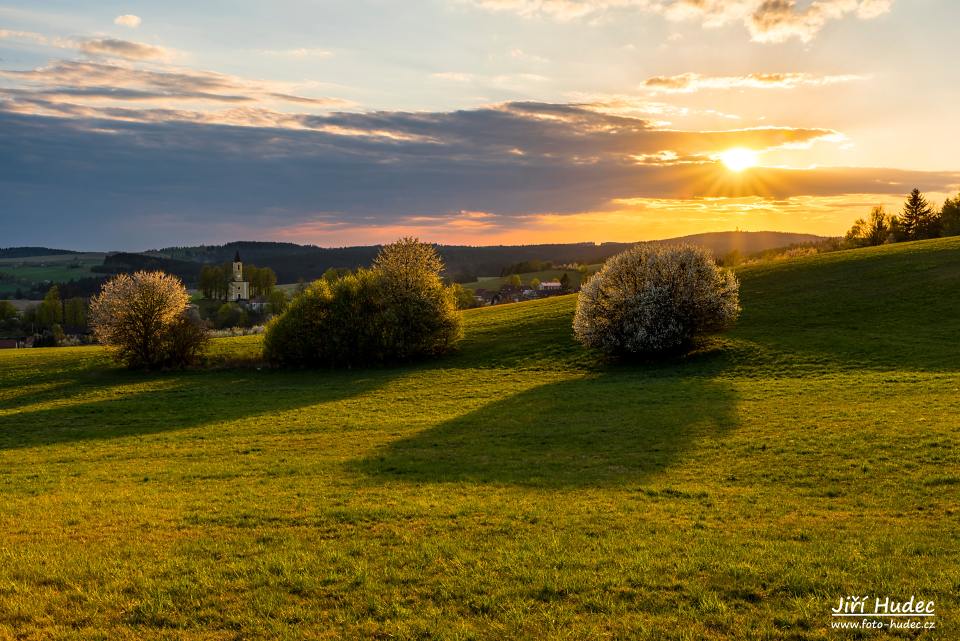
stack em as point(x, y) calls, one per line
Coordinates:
point(144, 318)
point(653, 299)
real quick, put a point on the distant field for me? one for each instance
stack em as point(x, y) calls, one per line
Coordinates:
point(496, 282)
point(22, 273)
point(520, 488)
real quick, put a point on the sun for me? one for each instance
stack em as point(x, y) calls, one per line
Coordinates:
point(739, 158)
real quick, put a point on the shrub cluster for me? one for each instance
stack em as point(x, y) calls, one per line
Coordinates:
point(145, 317)
point(398, 310)
point(652, 299)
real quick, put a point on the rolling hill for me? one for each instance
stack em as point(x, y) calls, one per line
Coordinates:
point(520, 488)
point(293, 262)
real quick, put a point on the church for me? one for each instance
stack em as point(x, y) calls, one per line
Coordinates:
point(239, 289)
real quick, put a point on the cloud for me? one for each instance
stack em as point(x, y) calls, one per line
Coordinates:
point(691, 82)
point(115, 48)
point(128, 20)
point(780, 20)
point(90, 83)
point(453, 76)
point(301, 52)
point(120, 170)
point(37, 38)
point(768, 21)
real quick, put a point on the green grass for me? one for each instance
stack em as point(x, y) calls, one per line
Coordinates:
point(22, 273)
point(496, 282)
point(520, 488)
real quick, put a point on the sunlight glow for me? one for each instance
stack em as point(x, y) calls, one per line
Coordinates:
point(739, 158)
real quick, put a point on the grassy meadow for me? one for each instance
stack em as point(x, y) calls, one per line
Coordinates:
point(518, 489)
point(496, 282)
point(24, 273)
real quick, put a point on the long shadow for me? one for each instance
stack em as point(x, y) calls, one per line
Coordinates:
point(618, 426)
point(117, 403)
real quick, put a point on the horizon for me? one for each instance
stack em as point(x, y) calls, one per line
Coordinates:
point(467, 122)
point(438, 244)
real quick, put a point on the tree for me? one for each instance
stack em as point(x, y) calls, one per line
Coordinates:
point(535, 283)
point(50, 311)
point(262, 280)
point(950, 217)
point(878, 227)
point(514, 280)
point(7, 310)
point(652, 299)
point(143, 317)
point(565, 282)
point(421, 311)
point(9, 318)
point(875, 231)
point(396, 311)
point(75, 314)
point(278, 301)
point(918, 220)
point(209, 281)
point(466, 299)
point(334, 273)
point(857, 235)
point(231, 315)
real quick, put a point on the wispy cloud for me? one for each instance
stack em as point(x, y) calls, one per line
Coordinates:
point(691, 82)
point(116, 48)
point(768, 21)
point(300, 52)
point(92, 82)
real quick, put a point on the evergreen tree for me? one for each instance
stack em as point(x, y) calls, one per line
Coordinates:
point(918, 219)
point(950, 217)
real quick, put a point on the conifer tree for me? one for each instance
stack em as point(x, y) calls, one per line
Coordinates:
point(918, 219)
point(950, 217)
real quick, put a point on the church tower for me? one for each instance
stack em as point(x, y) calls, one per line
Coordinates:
point(239, 288)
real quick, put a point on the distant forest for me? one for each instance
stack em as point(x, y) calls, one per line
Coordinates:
point(293, 263)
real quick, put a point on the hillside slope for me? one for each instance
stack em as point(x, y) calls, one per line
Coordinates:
point(520, 488)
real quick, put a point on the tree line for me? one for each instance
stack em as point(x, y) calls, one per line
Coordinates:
point(48, 321)
point(917, 220)
point(214, 281)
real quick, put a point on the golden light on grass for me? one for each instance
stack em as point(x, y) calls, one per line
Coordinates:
point(739, 158)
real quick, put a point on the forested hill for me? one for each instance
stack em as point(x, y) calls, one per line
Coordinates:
point(292, 262)
point(30, 252)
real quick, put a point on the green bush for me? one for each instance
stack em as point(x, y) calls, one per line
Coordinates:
point(231, 315)
point(397, 311)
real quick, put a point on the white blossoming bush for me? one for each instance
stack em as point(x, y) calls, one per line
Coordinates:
point(653, 299)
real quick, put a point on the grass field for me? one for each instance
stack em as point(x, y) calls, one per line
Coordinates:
point(22, 273)
point(517, 489)
point(496, 282)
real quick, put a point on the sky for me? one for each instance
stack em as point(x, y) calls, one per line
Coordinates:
point(137, 125)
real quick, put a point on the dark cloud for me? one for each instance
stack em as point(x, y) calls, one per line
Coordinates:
point(85, 181)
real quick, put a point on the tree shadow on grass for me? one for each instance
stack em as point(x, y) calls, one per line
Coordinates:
point(118, 403)
point(622, 425)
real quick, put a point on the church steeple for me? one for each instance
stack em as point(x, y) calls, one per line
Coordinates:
point(236, 257)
